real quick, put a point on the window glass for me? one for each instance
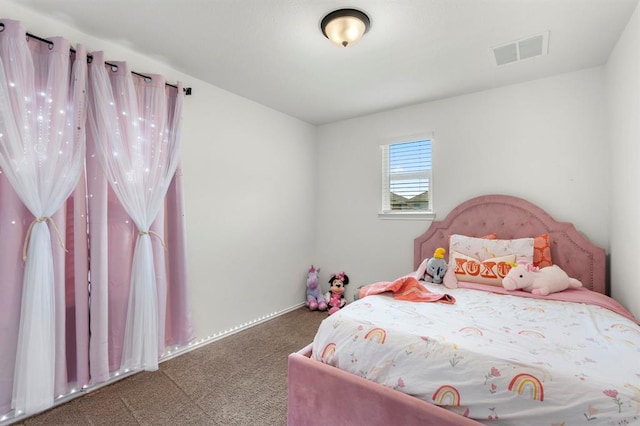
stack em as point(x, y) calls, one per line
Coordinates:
point(406, 177)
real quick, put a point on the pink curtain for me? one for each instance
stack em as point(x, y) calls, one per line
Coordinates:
point(91, 251)
point(42, 146)
point(134, 146)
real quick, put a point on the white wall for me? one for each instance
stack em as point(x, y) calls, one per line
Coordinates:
point(249, 175)
point(622, 78)
point(544, 141)
point(250, 211)
point(248, 250)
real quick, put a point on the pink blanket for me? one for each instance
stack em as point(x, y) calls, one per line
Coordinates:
point(406, 288)
point(576, 295)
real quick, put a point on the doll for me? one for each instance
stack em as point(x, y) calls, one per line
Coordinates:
point(335, 297)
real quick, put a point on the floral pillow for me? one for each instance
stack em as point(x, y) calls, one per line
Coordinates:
point(542, 251)
point(483, 249)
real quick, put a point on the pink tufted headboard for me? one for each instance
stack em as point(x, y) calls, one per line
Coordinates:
point(512, 217)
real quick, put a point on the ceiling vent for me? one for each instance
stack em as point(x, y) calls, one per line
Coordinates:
point(519, 50)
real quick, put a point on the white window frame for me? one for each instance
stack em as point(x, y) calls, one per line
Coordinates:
point(385, 210)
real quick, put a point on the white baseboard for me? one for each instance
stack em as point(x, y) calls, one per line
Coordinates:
point(198, 343)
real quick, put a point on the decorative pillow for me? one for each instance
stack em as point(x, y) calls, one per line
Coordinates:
point(490, 271)
point(483, 249)
point(542, 251)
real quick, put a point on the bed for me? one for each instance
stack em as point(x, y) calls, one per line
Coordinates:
point(489, 358)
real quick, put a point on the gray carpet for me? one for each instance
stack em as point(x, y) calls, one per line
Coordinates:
point(238, 380)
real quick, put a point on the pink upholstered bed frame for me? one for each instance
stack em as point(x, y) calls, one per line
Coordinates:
point(319, 394)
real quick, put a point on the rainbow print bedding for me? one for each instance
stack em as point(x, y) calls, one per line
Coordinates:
point(498, 358)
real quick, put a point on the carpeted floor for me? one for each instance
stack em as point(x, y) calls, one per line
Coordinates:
point(238, 380)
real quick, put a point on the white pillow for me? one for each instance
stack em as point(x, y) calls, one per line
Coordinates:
point(483, 249)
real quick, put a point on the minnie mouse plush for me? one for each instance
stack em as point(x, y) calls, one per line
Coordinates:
point(335, 297)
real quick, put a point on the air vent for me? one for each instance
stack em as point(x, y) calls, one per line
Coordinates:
point(519, 50)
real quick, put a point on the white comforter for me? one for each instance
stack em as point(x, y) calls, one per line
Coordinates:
point(505, 359)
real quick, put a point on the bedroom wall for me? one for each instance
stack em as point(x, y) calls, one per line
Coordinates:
point(541, 140)
point(622, 78)
point(249, 175)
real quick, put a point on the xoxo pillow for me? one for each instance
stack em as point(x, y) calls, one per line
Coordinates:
point(489, 271)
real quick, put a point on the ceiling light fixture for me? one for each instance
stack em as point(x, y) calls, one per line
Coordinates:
point(345, 27)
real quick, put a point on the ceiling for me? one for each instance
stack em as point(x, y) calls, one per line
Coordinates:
point(272, 51)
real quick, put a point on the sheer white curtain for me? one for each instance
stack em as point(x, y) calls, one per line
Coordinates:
point(137, 137)
point(42, 146)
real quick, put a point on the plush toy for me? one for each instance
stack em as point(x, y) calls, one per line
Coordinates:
point(335, 297)
point(551, 279)
point(357, 295)
point(315, 300)
point(432, 270)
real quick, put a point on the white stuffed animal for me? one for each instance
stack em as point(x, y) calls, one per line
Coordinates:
point(537, 281)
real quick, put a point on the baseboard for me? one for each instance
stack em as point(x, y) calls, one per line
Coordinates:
point(198, 343)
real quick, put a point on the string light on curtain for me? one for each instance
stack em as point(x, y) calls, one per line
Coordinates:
point(45, 359)
point(42, 146)
point(345, 27)
point(147, 140)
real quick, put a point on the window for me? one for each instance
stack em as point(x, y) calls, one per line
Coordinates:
point(406, 179)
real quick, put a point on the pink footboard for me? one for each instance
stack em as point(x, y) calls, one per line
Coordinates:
point(320, 394)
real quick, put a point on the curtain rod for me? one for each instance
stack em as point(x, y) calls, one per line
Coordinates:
point(186, 90)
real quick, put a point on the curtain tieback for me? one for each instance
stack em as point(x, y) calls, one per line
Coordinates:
point(140, 233)
point(25, 246)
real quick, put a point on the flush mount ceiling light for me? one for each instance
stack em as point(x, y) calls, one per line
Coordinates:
point(345, 27)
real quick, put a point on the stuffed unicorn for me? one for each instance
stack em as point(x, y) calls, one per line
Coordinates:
point(539, 281)
point(315, 299)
